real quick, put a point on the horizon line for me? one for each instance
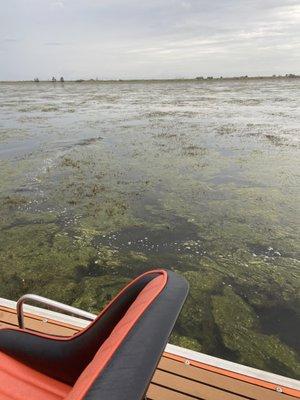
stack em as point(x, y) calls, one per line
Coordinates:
point(198, 78)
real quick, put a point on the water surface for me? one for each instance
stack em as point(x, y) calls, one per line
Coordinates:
point(102, 181)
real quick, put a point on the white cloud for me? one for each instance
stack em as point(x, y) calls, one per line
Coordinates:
point(59, 4)
point(141, 38)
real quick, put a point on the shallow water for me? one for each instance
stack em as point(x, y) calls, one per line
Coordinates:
point(101, 181)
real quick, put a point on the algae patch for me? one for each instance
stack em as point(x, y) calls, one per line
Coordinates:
point(196, 177)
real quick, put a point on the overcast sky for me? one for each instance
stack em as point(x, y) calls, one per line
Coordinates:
point(148, 38)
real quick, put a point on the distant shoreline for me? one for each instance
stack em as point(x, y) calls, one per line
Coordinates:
point(197, 79)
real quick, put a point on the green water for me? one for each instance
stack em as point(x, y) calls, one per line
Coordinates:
point(102, 181)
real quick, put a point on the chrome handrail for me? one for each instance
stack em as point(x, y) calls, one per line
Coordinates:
point(51, 303)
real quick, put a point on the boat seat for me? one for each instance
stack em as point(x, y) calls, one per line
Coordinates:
point(114, 358)
point(18, 382)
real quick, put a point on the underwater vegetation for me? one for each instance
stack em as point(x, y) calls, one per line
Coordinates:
point(102, 182)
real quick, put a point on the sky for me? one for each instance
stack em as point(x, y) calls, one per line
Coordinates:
point(144, 39)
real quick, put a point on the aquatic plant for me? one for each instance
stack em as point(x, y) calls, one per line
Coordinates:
point(142, 176)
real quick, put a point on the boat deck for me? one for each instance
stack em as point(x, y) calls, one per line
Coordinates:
point(178, 377)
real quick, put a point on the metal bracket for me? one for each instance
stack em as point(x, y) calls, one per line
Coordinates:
point(50, 303)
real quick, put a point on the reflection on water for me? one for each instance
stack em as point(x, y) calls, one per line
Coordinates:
point(101, 181)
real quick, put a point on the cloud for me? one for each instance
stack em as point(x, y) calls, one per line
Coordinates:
point(54, 44)
point(59, 4)
point(141, 38)
point(9, 40)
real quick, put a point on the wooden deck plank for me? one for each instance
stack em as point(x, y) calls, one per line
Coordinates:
point(173, 380)
point(36, 324)
point(220, 381)
point(192, 388)
point(156, 392)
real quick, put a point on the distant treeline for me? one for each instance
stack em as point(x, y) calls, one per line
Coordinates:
point(200, 78)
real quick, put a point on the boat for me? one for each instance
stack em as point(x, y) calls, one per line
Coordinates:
point(175, 373)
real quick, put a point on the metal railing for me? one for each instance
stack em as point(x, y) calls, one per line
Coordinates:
point(50, 303)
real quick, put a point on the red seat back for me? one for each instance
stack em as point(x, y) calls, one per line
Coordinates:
point(119, 333)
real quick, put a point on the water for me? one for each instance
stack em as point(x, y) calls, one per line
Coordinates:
point(102, 181)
